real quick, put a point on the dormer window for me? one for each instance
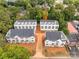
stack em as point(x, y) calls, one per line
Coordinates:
point(49, 27)
point(9, 41)
point(26, 41)
point(52, 43)
point(13, 41)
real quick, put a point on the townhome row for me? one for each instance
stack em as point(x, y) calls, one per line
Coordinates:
point(31, 24)
point(24, 32)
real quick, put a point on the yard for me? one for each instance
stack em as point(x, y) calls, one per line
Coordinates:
point(55, 52)
point(30, 47)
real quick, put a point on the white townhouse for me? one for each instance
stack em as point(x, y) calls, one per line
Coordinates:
point(55, 39)
point(25, 24)
point(49, 25)
point(20, 36)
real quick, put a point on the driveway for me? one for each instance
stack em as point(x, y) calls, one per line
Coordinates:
point(39, 46)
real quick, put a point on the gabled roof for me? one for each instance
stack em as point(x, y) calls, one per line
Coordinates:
point(72, 37)
point(53, 36)
point(49, 22)
point(21, 33)
point(25, 22)
point(71, 28)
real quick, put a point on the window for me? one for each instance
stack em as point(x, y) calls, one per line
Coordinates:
point(8, 40)
point(26, 27)
point(33, 26)
point(22, 41)
point(46, 44)
point(56, 27)
point(42, 27)
point(49, 27)
point(45, 27)
point(32, 40)
point(13, 41)
point(57, 42)
point(52, 27)
point(26, 41)
point(29, 27)
point(15, 27)
point(19, 27)
point(22, 27)
point(17, 40)
point(52, 43)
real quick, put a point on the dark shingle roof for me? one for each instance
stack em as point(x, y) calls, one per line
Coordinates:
point(21, 32)
point(72, 37)
point(53, 36)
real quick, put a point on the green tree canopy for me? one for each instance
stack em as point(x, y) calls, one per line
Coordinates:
point(14, 52)
point(69, 12)
point(5, 21)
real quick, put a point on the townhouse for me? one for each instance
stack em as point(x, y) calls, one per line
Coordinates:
point(55, 39)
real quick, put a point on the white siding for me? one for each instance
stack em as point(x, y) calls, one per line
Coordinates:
point(25, 40)
point(25, 25)
point(57, 43)
point(49, 26)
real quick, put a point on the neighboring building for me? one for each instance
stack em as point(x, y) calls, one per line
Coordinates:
point(20, 36)
point(55, 39)
point(25, 24)
point(49, 25)
point(73, 39)
point(71, 28)
point(76, 24)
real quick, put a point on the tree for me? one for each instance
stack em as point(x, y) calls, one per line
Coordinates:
point(2, 40)
point(50, 2)
point(2, 2)
point(68, 1)
point(62, 23)
point(52, 13)
point(34, 2)
point(77, 5)
point(40, 2)
point(14, 52)
point(59, 7)
point(5, 21)
point(69, 12)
